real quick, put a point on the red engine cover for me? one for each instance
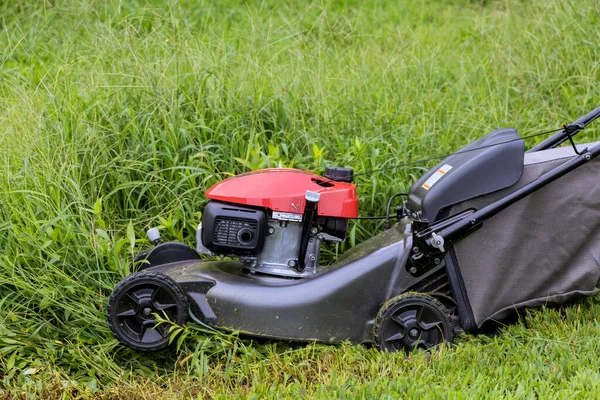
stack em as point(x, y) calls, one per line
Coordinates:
point(283, 189)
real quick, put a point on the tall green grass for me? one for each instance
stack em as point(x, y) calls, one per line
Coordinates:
point(115, 113)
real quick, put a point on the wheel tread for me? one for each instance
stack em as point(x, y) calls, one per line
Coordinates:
point(150, 275)
point(405, 296)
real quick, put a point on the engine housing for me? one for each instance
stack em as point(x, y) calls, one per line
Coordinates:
point(269, 221)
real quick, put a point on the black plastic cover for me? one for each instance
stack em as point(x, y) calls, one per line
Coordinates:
point(233, 230)
point(334, 226)
point(489, 164)
point(339, 174)
point(165, 253)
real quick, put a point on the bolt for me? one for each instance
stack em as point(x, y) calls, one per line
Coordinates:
point(271, 230)
point(292, 263)
point(587, 157)
point(314, 231)
point(413, 270)
point(147, 311)
point(415, 249)
point(436, 261)
point(312, 239)
point(413, 333)
point(312, 257)
point(472, 222)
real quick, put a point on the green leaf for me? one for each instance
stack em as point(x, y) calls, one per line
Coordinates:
point(93, 385)
point(102, 233)
point(11, 361)
point(119, 245)
point(131, 234)
point(245, 163)
point(98, 207)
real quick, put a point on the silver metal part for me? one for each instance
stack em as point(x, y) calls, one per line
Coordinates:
point(329, 238)
point(437, 241)
point(199, 246)
point(286, 216)
point(312, 196)
point(153, 235)
point(280, 252)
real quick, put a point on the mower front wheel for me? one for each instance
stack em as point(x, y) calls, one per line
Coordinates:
point(136, 300)
point(412, 321)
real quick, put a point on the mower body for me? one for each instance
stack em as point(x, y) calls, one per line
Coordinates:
point(488, 230)
point(336, 304)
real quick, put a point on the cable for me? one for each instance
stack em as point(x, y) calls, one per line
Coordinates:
point(387, 210)
point(437, 157)
point(387, 213)
point(441, 156)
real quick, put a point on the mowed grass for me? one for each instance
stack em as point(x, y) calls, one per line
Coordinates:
point(119, 114)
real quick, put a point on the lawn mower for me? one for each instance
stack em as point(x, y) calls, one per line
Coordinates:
point(489, 230)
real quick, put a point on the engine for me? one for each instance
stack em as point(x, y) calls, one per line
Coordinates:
point(275, 220)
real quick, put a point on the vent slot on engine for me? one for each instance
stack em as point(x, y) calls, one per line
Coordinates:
point(235, 232)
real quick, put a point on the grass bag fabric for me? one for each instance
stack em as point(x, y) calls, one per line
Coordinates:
point(544, 249)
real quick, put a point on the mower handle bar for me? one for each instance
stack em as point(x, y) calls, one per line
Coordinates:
point(568, 131)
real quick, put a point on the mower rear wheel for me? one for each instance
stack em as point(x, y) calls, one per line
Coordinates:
point(135, 301)
point(412, 321)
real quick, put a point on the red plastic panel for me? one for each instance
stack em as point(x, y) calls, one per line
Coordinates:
point(283, 189)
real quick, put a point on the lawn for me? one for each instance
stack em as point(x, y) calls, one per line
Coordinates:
point(116, 116)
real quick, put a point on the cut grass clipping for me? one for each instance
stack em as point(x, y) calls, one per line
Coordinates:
point(116, 116)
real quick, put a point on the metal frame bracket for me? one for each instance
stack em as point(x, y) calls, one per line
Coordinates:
point(570, 130)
